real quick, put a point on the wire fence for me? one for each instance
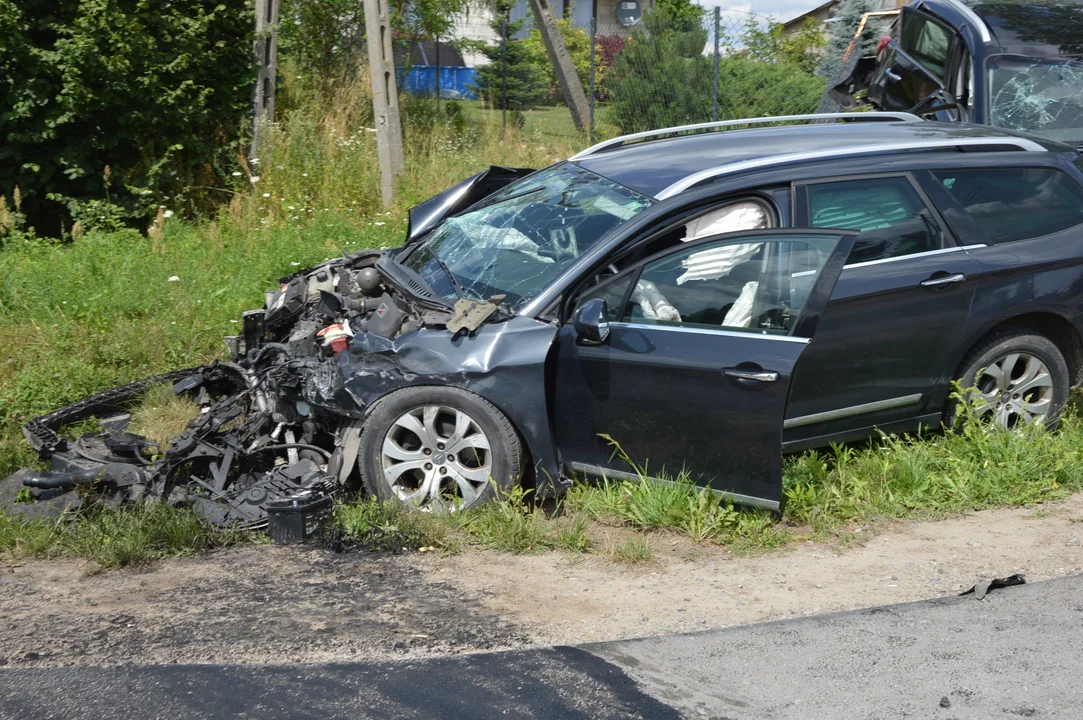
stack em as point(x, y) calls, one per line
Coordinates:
point(662, 72)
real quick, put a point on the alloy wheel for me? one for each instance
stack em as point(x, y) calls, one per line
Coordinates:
point(1015, 390)
point(437, 458)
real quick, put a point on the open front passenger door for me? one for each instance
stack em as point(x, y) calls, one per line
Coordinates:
point(685, 359)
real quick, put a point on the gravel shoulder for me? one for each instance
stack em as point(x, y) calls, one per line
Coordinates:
point(265, 604)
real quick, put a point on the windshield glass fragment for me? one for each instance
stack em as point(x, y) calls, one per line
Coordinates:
point(1038, 95)
point(521, 238)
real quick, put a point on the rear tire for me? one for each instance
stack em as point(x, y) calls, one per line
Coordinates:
point(438, 449)
point(1020, 377)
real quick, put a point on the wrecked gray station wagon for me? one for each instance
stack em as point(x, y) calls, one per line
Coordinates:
point(705, 299)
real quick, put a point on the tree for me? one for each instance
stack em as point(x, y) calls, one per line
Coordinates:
point(803, 49)
point(846, 19)
point(323, 38)
point(525, 79)
point(158, 92)
point(662, 78)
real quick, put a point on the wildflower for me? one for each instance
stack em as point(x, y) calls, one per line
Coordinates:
point(236, 173)
point(254, 179)
point(295, 264)
point(167, 214)
point(255, 161)
point(379, 223)
point(266, 194)
point(304, 174)
point(174, 278)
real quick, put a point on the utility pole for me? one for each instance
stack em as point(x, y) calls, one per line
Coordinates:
point(567, 78)
point(265, 49)
point(385, 97)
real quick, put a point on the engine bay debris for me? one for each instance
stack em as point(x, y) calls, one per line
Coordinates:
point(276, 421)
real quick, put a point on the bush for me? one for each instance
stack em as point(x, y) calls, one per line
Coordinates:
point(525, 79)
point(662, 78)
point(156, 91)
point(577, 42)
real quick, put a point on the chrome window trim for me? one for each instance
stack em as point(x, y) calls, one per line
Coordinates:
point(599, 471)
point(858, 117)
point(850, 411)
point(979, 24)
point(708, 331)
point(940, 251)
point(732, 168)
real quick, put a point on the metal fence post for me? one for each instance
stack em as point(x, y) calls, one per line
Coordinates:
point(504, 68)
point(593, 46)
point(717, 27)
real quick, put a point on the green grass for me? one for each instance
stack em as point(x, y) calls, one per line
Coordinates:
point(114, 537)
point(632, 551)
point(934, 476)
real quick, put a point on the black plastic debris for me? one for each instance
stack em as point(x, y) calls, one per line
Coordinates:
point(982, 589)
point(297, 518)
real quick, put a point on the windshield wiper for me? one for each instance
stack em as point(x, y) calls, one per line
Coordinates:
point(447, 271)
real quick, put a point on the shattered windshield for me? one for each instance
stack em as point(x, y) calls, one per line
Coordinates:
point(1039, 95)
point(523, 237)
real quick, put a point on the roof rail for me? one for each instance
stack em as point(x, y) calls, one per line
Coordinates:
point(784, 159)
point(854, 116)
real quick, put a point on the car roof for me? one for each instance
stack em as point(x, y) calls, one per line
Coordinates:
point(659, 167)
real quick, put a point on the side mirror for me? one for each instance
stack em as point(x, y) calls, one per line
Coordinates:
point(591, 322)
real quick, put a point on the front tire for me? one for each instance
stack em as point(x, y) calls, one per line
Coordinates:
point(438, 449)
point(1019, 378)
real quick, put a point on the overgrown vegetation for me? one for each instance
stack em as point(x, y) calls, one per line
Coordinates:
point(109, 109)
point(929, 477)
point(114, 537)
point(663, 78)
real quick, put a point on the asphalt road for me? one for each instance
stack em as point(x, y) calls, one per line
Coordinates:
point(1017, 653)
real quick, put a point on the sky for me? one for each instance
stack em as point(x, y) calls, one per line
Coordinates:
point(778, 9)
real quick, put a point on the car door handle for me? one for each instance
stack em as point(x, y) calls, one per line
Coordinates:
point(892, 75)
point(943, 280)
point(755, 375)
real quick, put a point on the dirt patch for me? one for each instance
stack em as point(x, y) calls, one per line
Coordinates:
point(265, 604)
point(696, 587)
point(260, 604)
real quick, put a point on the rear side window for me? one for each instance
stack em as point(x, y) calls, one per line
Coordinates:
point(1016, 203)
point(893, 219)
point(927, 42)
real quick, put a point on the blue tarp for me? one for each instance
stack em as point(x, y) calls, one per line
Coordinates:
point(455, 81)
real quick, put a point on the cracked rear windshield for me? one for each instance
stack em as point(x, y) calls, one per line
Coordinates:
point(523, 237)
point(1039, 95)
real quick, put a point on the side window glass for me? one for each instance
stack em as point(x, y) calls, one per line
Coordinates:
point(731, 285)
point(927, 42)
point(1016, 203)
point(613, 293)
point(892, 217)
